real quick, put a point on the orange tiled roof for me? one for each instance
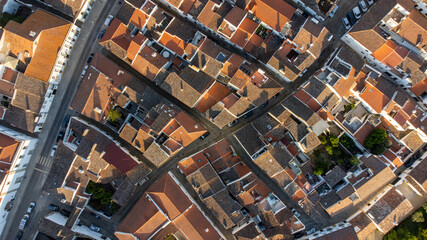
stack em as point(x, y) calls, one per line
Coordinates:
point(414, 29)
point(391, 54)
point(135, 45)
point(118, 33)
point(174, 43)
point(138, 18)
point(375, 98)
point(8, 147)
point(48, 30)
point(274, 13)
point(148, 62)
point(244, 32)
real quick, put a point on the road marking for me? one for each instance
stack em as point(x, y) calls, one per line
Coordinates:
point(41, 170)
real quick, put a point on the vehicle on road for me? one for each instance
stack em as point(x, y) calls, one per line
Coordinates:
point(263, 105)
point(363, 6)
point(331, 15)
point(234, 122)
point(108, 20)
point(101, 34)
point(357, 13)
point(247, 115)
point(311, 231)
point(53, 207)
point(23, 222)
point(52, 153)
point(95, 228)
point(65, 213)
point(60, 136)
point(205, 135)
point(297, 214)
point(346, 23)
point(19, 235)
point(351, 18)
point(370, 2)
point(90, 58)
point(31, 207)
point(65, 121)
point(94, 215)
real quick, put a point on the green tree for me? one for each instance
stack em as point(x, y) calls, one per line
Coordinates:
point(349, 107)
point(100, 193)
point(329, 149)
point(418, 216)
point(91, 187)
point(354, 160)
point(318, 171)
point(114, 115)
point(334, 140)
point(323, 140)
point(340, 161)
point(377, 142)
point(347, 142)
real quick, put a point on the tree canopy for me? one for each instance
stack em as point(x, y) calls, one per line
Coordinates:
point(377, 141)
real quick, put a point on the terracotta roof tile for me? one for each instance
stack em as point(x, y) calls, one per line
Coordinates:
point(273, 13)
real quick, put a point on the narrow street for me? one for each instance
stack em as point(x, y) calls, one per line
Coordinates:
point(30, 189)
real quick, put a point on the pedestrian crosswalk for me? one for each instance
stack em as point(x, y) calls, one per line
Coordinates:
point(45, 161)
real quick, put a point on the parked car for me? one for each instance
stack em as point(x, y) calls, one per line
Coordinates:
point(53, 207)
point(357, 13)
point(65, 121)
point(205, 135)
point(52, 153)
point(351, 18)
point(101, 34)
point(19, 235)
point(370, 2)
point(234, 122)
point(346, 23)
point(65, 213)
point(263, 105)
point(60, 136)
point(94, 215)
point(108, 20)
point(90, 58)
point(95, 228)
point(297, 214)
point(23, 222)
point(247, 115)
point(333, 12)
point(31, 207)
point(363, 6)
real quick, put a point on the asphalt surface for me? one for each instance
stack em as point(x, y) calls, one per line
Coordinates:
point(41, 161)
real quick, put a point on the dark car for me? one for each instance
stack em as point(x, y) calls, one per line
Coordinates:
point(263, 105)
point(101, 34)
point(65, 121)
point(352, 18)
point(234, 122)
point(19, 235)
point(65, 213)
point(247, 115)
point(205, 135)
point(60, 136)
point(53, 207)
point(94, 215)
point(90, 58)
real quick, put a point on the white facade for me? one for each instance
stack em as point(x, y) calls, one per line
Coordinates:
point(16, 174)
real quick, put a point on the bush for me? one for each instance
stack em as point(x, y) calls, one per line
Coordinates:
point(334, 140)
point(347, 142)
point(418, 216)
point(354, 161)
point(318, 171)
point(349, 107)
point(377, 141)
point(114, 115)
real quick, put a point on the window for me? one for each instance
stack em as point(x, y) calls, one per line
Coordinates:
point(25, 147)
point(17, 165)
point(24, 165)
point(19, 179)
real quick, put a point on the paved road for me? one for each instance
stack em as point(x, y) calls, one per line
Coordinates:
point(40, 162)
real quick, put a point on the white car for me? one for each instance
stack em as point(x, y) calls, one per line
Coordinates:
point(95, 228)
point(356, 12)
point(52, 153)
point(370, 2)
point(23, 222)
point(31, 207)
point(346, 23)
point(297, 214)
point(363, 6)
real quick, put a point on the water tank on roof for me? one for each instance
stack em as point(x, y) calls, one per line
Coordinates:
point(166, 54)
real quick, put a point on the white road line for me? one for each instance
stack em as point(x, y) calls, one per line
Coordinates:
point(41, 170)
